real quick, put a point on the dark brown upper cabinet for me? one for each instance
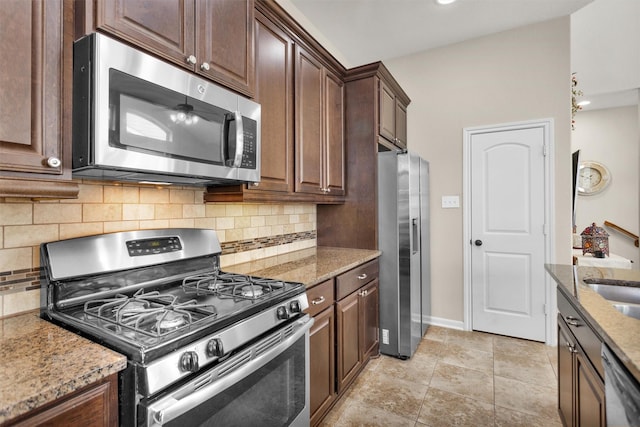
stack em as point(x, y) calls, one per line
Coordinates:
point(392, 125)
point(274, 92)
point(300, 88)
point(35, 139)
point(319, 127)
point(213, 38)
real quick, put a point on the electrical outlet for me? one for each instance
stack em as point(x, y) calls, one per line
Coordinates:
point(449, 202)
point(385, 336)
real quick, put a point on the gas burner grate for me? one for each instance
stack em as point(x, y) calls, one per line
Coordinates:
point(152, 313)
point(231, 285)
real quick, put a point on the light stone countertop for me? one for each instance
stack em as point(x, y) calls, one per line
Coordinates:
point(41, 362)
point(621, 333)
point(309, 266)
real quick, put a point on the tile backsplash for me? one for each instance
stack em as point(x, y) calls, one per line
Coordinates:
point(246, 231)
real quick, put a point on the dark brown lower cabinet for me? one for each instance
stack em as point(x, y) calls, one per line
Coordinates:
point(93, 406)
point(322, 364)
point(581, 393)
point(344, 335)
point(357, 324)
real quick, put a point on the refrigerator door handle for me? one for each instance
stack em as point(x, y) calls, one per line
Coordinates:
point(415, 242)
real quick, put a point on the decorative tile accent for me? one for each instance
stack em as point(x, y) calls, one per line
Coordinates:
point(28, 279)
point(265, 242)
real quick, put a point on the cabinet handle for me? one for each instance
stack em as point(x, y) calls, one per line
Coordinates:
point(571, 347)
point(191, 60)
point(317, 301)
point(53, 162)
point(205, 66)
point(364, 293)
point(572, 321)
point(362, 276)
point(255, 184)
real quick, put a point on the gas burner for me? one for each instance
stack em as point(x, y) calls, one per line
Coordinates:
point(252, 291)
point(253, 288)
point(152, 313)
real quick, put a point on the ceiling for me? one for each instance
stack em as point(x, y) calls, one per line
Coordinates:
point(366, 31)
point(358, 32)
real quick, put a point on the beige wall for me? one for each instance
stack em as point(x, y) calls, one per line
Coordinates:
point(104, 207)
point(611, 136)
point(517, 75)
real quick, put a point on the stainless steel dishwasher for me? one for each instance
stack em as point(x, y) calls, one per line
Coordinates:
point(622, 392)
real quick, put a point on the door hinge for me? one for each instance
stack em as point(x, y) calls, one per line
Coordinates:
point(545, 231)
point(544, 150)
point(544, 309)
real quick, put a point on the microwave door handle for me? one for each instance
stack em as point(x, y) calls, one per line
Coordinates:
point(237, 161)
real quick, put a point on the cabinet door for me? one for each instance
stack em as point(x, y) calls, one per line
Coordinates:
point(334, 136)
point(322, 364)
point(309, 120)
point(590, 403)
point(566, 349)
point(369, 320)
point(35, 83)
point(387, 111)
point(274, 92)
point(401, 124)
point(348, 339)
point(165, 27)
point(224, 42)
point(95, 405)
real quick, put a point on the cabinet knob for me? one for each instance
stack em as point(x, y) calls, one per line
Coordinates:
point(191, 59)
point(205, 66)
point(53, 162)
point(317, 301)
point(255, 184)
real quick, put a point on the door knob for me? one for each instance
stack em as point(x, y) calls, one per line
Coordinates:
point(478, 242)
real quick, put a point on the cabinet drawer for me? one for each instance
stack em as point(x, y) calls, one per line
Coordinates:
point(586, 337)
point(352, 280)
point(320, 297)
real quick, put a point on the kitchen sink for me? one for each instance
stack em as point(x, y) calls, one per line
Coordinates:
point(624, 294)
point(631, 310)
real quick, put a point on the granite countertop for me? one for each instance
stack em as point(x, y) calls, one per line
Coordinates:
point(621, 333)
point(309, 266)
point(40, 362)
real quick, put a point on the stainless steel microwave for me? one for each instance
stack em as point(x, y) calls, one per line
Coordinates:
point(137, 118)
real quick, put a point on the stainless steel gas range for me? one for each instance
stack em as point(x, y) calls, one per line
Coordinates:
point(203, 346)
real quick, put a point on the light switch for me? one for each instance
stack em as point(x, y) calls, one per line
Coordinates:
point(449, 202)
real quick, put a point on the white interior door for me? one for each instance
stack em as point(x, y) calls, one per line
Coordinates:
point(507, 200)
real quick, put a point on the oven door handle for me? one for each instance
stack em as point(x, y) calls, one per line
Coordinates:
point(224, 375)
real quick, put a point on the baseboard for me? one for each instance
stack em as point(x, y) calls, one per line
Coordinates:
point(445, 323)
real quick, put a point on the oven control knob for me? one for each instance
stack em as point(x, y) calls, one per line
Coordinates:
point(189, 361)
point(281, 313)
point(294, 306)
point(214, 348)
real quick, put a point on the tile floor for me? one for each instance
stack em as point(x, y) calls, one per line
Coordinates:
point(456, 378)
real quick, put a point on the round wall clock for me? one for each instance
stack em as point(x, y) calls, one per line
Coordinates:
point(593, 177)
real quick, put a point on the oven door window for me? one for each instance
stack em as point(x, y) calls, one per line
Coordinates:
point(148, 118)
point(273, 395)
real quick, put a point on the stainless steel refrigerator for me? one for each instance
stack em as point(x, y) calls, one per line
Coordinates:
point(403, 238)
